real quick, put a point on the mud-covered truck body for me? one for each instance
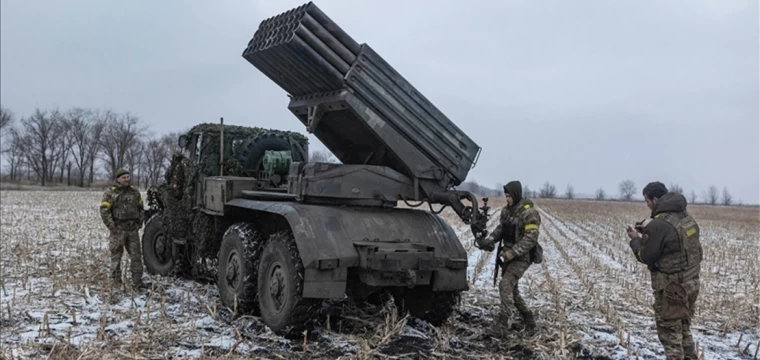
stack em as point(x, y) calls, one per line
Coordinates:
point(285, 232)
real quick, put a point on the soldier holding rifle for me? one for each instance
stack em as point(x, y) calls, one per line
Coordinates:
point(517, 236)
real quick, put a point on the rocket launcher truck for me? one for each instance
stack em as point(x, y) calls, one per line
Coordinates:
point(286, 232)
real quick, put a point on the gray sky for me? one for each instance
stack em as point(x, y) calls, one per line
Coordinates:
point(587, 92)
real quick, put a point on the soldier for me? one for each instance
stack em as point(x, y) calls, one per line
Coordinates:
point(518, 231)
point(669, 245)
point(123, 214)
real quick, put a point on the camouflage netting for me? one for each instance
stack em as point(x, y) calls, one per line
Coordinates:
point(234, 138)
point(176, 194)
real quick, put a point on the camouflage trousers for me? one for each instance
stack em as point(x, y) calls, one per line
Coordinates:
point(675, 334)
point(509, 292)
point(130, 240)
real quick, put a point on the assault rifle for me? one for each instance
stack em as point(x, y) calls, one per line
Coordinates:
point(498, 262)
point(508, 232)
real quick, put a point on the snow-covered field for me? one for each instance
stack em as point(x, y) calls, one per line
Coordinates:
point(591, 298)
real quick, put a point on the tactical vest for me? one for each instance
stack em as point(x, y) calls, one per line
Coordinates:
point(512, 231)
point(690, 253)
point(126, 204)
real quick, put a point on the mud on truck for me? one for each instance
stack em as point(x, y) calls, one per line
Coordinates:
point(283, 233)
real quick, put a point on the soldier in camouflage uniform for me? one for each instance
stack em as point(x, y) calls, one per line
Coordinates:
point(518, 231)
point(668, 243)
point(123, 213)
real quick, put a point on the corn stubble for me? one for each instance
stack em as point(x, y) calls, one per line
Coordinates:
point(589, 295)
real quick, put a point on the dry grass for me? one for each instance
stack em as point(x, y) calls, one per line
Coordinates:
point(729, 300)
point(590, 296)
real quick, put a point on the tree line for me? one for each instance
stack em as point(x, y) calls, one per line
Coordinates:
point(78, 146)
point(626, 191)
point(72, 146)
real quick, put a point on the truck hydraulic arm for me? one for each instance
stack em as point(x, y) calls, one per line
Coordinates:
point(476, 217)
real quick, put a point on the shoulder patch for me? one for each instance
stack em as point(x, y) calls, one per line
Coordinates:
point(113, 187)
point(527, 206)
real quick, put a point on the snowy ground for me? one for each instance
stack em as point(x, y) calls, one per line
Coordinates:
point(591, 298)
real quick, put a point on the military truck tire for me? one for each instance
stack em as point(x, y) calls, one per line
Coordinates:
point(253, 150)
point(238, 263)
point(157, 247)
point(433, 307)
point(281, 272)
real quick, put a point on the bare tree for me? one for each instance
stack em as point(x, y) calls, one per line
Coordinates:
point(526, 191)
point(94, 145)
point(600, 194)
point(15, 154)
point(570, 192)
point(35, 143)
point(68, 174)
point(81, 124)
point(548, 191)
point(171, 143)
point(693, 197)
point(711, 196)
point(62, 143)
point(156, 158)
point(6, 118)
point(727, 198)
point(12, 157)
point(119, 135)
point(627, 189)
point(322, 156)
point(135, 161)
point(676, 188)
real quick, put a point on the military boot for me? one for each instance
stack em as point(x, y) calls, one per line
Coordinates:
point(528, 324)
point(500, 327)
point(138, 284)
point(116, 281)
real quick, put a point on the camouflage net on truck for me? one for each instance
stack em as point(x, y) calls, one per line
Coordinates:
point(235, 138)
point(201, 232)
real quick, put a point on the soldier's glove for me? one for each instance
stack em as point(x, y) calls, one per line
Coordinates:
point(485, 244)
point(507, 256)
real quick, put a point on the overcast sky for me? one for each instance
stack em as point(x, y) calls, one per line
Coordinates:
point(583, 92)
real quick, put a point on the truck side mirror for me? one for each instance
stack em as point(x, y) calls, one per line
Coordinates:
point(182, 142)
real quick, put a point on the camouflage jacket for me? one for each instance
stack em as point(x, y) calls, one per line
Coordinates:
point(518, 227)
point(122, 208)
point(669, 240)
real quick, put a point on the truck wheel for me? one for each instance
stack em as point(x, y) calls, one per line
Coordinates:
point(431, 306)
point(238, 261)
point(157, 247)
point(252, 152)
point(281, 275)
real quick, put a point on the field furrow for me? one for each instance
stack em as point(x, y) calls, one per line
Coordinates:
point(627, 288)
point(591, 298)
